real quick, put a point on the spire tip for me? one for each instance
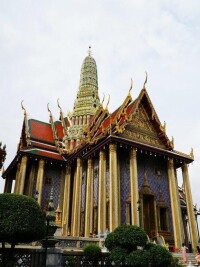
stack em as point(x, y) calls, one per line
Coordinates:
point(89, 51)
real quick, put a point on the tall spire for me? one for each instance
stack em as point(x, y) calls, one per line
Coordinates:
point(87, 101)
point(86, 104)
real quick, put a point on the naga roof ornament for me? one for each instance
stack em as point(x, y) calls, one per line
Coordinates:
point(145, 82)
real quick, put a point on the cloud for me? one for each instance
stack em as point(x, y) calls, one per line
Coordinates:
point(43, 44)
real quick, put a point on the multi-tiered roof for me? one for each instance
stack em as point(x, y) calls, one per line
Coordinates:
point(90, 126)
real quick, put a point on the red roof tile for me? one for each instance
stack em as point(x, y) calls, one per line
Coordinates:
point(44, 153)
point(41, 131)
point(36, 144)
point(59, 129)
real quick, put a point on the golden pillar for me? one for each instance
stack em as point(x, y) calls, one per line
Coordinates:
point(8, 185)
point(62, 186)
point(102, 193)
point(190, 208)
point(22, 174)
point(73, 201)
point(134, 187)
point(40, 178)
point(175, 204)
point(114, 201)
point(89, 199)
point(66, 201)
point(119, 191)
point(31, 180)
point(16, 189)
point(77, 199)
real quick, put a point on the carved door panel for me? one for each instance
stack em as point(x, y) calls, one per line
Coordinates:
point(149, 215)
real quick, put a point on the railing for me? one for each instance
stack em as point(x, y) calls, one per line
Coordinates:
point(24, 257)
point(77, 259)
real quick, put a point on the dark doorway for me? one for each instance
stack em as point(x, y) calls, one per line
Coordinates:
point(149, 215)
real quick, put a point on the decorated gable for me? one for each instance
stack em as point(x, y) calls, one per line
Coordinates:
point(142, 129)
point(144, 125)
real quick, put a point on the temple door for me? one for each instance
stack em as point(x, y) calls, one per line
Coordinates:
point(149, 215)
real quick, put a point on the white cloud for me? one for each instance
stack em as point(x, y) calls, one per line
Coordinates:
point(43, 44)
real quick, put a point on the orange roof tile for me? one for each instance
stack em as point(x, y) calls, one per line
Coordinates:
point(59, 129)
point(41, 131)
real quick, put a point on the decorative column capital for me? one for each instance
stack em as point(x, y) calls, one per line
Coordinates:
point(184, 167)
point(68, 169)
point(133, 153)
point(112, 147)
point(102, 155)
point(41, 163)
point(24, 159)
point(79, 162)
point(90, 163)
point(170, 163)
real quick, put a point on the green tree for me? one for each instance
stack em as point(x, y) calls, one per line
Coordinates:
point(21, 220)
point(128, 247)
point(92, 253)
point(127, 237)
point(124, 240)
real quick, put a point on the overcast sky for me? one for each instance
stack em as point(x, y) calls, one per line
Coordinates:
point(43, 44)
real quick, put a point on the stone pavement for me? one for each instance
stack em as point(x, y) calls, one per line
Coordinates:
point(191, 259)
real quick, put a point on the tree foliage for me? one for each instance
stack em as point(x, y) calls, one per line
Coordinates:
point(92, 253)
point(128, 246)
point(21, 219)
point(127, 237)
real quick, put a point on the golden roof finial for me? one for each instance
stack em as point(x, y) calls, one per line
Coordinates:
point(103, 99)
point(89, 51)
point(108, 102)
point(49, 112)
point(131, 87)
point(192, 153)
point(172, 142)
point(23, 107)
point(144, 86)
point(164, 126)
point(48, 108)
point(58, 104)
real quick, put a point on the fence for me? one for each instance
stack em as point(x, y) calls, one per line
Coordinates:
point(24, 257)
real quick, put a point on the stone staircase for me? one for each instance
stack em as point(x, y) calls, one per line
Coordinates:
point(191, 259)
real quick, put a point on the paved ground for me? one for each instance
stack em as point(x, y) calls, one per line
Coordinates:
point(191, 259)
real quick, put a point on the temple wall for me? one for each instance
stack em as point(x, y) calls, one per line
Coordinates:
point(150, 164)
point(53, 173)
point(107, 177)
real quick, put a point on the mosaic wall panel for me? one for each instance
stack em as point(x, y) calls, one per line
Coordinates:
point(96, 181)
point(124, 161)
point(83, 194)
point(52, 176)
point(157, 182)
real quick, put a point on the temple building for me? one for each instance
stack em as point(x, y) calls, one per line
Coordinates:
point(106, 169)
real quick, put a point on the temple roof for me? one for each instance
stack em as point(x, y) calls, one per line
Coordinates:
point(90, 125)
